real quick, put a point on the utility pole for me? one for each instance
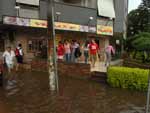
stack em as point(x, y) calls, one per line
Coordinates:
point(148, 93)
point(52, 56)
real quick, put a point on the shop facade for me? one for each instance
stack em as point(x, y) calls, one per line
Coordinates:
point(32, 34)
point(72, 22)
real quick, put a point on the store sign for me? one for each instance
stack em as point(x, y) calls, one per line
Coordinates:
point(38, 23)
point(92, 29)
point(67, 26)
point(23, 22)
point(10, 20)
point(84, 28)
point(16, 21)
point(87, 29)
point(104, 30)
point(43, 24)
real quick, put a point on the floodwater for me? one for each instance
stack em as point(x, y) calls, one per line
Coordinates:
point(31, 94)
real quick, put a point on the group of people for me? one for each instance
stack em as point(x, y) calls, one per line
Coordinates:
point(11, 59)
point(72, 51)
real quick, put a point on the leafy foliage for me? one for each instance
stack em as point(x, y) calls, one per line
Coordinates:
point(141, 42)
point(138, 19)
point(128, 78)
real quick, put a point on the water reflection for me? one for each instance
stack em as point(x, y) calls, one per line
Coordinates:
point(32, 95)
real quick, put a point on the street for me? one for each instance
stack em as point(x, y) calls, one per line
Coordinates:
point(31, 94)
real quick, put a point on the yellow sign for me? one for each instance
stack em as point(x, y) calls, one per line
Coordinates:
point(38, 23)
point(104, 30)
point(67, 26)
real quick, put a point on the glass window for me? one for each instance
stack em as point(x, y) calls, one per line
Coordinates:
point(34, 45)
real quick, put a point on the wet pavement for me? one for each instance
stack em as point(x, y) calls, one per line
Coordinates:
point(31, 94)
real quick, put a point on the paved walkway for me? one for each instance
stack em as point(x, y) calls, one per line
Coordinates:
point(100, 66)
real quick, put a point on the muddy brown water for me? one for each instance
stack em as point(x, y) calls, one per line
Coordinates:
point(32, 95)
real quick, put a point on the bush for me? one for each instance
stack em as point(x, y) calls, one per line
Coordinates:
point(128, 78)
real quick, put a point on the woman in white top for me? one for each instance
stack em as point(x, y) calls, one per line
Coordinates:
point(9, 57)
point(67, 48)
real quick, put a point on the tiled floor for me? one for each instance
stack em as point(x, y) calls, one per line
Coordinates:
point(100, 67)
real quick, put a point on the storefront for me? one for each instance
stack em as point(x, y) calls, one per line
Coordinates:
point(32, 34)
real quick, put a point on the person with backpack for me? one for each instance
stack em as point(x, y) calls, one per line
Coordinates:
point(19, 56)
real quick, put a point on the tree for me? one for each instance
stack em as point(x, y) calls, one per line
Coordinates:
point(146, 3)
point(141, 42)
point(139, 19)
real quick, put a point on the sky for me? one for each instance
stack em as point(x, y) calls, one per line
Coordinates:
point(133, 4)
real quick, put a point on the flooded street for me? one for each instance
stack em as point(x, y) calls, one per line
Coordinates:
point(32, 95)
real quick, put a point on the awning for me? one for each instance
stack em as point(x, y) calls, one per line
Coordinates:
point(106, 8)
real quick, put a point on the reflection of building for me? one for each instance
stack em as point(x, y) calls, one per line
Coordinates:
point(76, 19)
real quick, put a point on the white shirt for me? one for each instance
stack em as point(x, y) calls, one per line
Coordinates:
point(20, 51)
point(9, 57)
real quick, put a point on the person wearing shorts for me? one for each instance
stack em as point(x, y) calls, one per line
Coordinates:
point(19, 56)
point(9, 56)
point(93, 52)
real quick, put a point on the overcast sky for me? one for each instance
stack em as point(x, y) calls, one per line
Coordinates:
point(133, 4)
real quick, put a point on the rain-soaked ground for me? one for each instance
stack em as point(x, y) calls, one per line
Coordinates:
point(32, 95)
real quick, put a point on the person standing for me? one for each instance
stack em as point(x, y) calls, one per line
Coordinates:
point(93, 52)
point(74, 53)
point(108, 51)
point(67, 48)
point(86, 52)
point(9, 57)
point(60, 51)
point(19, 56)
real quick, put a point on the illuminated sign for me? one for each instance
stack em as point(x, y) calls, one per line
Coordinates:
point(10, 20)
point(16, 21)
point(38, 23)
point(104, 30)
point(84, 28)
point(43, 24)
point(67, 26)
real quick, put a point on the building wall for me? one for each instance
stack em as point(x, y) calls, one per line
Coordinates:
point(43, 10)
point(121, 9)
point(8, 8)
point(70, 13)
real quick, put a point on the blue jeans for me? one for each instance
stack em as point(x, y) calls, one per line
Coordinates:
point(86, 55)
point(73, 58)
point(67, 57)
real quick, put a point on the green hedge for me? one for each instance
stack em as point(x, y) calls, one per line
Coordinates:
point(128, 78)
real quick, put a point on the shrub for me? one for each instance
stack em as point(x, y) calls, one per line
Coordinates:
point(128, 78)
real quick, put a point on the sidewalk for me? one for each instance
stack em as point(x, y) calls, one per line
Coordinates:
point(100, 66)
